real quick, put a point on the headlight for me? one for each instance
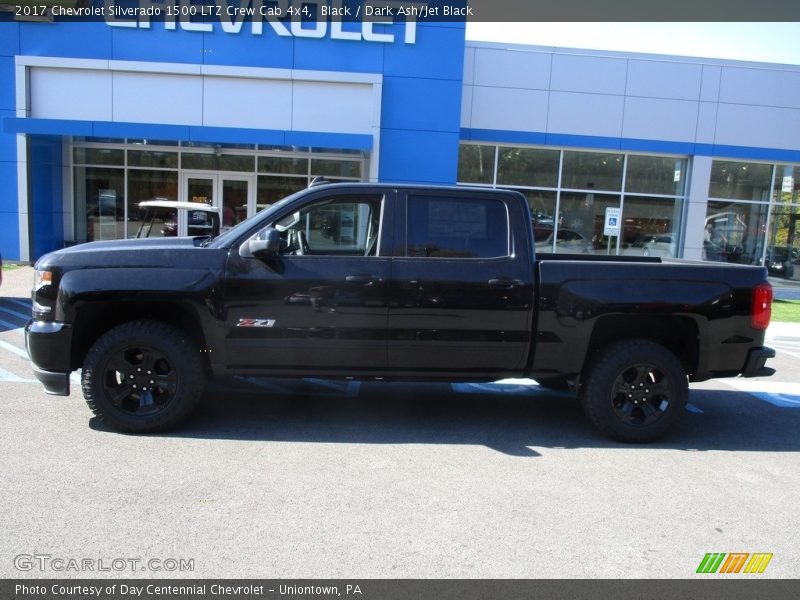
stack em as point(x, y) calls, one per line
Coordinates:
point(43, 295)
point(41, 278)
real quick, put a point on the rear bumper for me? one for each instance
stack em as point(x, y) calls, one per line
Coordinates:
point(756, 358)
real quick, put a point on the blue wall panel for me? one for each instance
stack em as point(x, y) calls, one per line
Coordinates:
point(8, 84)
point(140, 130)
point(8, 177)
point(73, 40)
point(156, 44)
point(44, 193)
point(8, 141)
point(230, 135)
point(9, 39)
point(9, 219)
point(9, 234)
point(437, 54)
point(421, 104)
point(47, 126)
point(413, 156)
point(338, 55)
point(247, 50)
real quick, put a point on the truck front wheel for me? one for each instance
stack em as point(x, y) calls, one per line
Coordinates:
point(143, 376)
point(635, 390)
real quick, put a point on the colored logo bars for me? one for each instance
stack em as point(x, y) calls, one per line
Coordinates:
point(716, 562)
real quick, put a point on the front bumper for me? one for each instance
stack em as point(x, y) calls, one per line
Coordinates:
point(48, 344)
point(754, 365)
point(56, 384)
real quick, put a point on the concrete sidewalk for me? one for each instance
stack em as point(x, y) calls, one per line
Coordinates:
point(786, 332)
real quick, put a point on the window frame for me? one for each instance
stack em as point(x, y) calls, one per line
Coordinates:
point(448, 195)
point(385, 229)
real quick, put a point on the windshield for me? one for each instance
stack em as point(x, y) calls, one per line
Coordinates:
point(262, 218)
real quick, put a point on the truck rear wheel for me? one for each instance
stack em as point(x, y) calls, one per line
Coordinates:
point(635, 391)
point(143, 376)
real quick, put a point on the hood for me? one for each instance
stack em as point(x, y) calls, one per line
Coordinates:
point(158, 252)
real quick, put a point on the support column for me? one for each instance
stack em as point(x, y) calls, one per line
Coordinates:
point(697, 204)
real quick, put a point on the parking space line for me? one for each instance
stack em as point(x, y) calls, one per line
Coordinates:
point(784, 351)
point(778, 393)
point(11, 326)
point(22, 303)
point(10, 377)
point(14, 350)
point(14, 313)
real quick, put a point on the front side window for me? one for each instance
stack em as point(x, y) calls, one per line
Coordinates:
point(347, 226)
point(456, 228)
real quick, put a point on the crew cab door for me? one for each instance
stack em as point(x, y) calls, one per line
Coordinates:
point(462, 283)
point(319, 305)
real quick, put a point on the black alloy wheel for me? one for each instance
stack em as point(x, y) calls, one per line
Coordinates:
point(143, 376)
point(139, 380)
point(641, 395)
point(634, 390)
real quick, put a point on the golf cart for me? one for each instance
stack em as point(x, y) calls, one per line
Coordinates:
point(168, 218)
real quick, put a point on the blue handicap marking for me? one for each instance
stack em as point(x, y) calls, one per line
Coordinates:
point(504, 386)
point(310, 386)
point(780, 400)
point(778, 393)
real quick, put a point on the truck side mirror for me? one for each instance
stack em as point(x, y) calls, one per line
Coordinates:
point(267, 243)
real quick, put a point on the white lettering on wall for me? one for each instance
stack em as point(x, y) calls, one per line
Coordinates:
point(231, 18)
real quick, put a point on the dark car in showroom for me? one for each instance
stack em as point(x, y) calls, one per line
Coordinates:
point(781, 261)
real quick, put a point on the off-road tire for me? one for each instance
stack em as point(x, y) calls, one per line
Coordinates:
point(177, 363)
point(634, 391)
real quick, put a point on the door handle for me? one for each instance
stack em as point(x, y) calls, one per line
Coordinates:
point(505, 283)
point(360, 279)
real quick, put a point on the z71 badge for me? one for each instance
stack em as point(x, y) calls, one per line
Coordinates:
point(255, 323)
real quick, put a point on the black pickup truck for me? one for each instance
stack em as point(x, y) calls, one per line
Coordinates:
point(394, 282)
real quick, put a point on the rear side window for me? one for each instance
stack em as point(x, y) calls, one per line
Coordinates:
point(456, 228)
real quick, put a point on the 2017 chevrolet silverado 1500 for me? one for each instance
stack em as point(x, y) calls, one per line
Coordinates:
point(393, 282)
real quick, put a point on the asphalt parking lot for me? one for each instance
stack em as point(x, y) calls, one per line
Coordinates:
point(325, 479)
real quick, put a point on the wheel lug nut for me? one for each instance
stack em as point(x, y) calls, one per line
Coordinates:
point(152, 382)
point(130, 376)
point(135, 386)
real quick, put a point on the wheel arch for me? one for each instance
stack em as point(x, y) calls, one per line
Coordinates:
point(678, 334)
point(92, 320)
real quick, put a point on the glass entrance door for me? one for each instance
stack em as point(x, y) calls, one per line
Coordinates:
point(233, 195)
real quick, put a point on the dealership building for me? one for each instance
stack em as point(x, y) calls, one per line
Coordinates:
point(617, 153)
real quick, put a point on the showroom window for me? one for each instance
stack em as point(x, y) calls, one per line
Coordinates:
point(740, 180)
point(782, 257)
point(737, 212)
point(570, 191)
point(111, 178)
point(100, 205)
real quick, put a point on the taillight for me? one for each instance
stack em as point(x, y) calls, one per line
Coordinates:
point(761, 311)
